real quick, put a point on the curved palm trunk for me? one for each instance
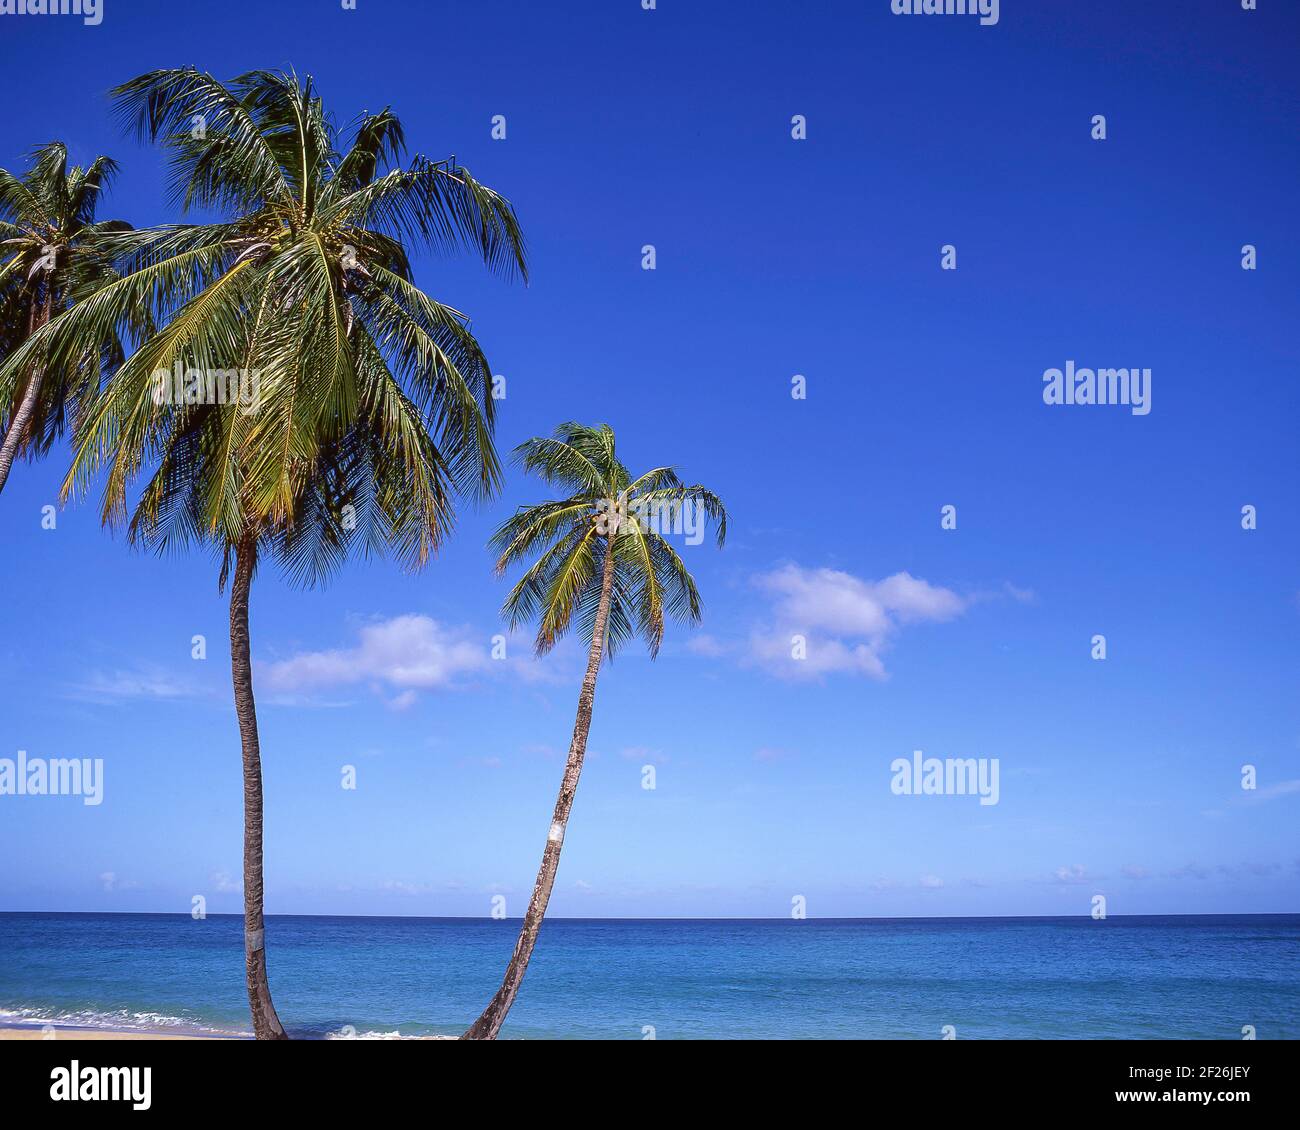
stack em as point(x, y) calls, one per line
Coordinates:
point(266, 1024)
point(22, 418)
point(489, 1024)
point(18, 426)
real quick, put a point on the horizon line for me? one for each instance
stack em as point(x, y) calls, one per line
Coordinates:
point(672, 918)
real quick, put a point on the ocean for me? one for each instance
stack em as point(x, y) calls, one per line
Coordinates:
point(1166, 977)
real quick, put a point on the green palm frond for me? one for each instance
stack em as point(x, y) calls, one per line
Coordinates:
point(374, 401)
point(549, 588)
point(608, 512)
point(232, 163)
point(438, 205)
point(377, 141)
point(53, 253)
point(696, 495)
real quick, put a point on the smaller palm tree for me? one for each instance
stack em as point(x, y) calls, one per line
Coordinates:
point(52, 252)
point(604, 560)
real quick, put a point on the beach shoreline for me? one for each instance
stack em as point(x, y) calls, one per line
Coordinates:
point(71, 1032)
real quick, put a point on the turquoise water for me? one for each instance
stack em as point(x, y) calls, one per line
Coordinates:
point(1054, 978)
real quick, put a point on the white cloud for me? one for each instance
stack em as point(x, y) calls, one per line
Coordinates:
point(847, 623)
point(405, 654)
point(931, 882)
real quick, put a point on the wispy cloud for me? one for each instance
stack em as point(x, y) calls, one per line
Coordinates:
point(224, 884)
point(643, 754)
point(1190, 871)
point(1072, 874)
point(402, 887)
point(769, 754)
point(542, 749)
point(1271, 792)
point(706, 645)
point(131, 685)
point(826, 621)
point(1021, 596)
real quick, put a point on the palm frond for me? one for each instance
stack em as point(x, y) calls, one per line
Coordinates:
point(610, 514)
point(374, 402)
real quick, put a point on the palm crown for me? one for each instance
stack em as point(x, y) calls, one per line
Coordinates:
point(52, 252)
point(374, 401)
point(607, 513)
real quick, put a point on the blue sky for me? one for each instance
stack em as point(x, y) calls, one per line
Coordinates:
point(775, 257)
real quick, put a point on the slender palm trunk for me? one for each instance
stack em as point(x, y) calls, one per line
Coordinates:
point(22, 418)
point(266, 1024)
point(489, 1024)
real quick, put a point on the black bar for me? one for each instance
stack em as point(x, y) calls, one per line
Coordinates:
point(375, 1079)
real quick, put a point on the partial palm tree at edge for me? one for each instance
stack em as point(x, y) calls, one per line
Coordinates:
point(604, 560)
point(52, 251)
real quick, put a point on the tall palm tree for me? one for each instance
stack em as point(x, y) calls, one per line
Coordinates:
point(52, 251)
point(372, 401)
point(604, 558)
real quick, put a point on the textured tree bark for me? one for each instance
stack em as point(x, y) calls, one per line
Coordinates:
point(266, 1024)
point(489, 1024)
point(22, 418)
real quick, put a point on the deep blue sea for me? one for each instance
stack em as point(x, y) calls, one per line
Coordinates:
point(989, 978)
